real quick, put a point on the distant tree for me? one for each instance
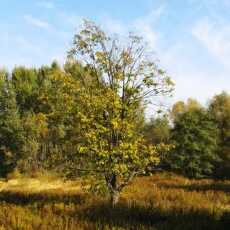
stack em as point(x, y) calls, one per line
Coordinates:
point(55, 117)
point(37, 98)
point(219, 108)
point(33, 153)
point(181, 107)
point(24, 81)
point(195, 136)
point(157, 130)
point(120, 80)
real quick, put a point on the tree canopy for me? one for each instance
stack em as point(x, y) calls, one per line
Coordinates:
point(122, 77)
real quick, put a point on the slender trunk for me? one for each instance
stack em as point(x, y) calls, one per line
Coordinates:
point(112, 184)
point(115, 195)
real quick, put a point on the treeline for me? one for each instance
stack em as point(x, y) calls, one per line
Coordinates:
point(35, 120)
point(36, 124)
point(200, 135)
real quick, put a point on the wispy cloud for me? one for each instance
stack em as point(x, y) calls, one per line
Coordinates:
point(143, 26)
point(192, 78)
point(114, 26)
point(70, 20)
point(46, 4)
point(37, 22)
point(25, 51)
point(215, 38)
point(27, 45)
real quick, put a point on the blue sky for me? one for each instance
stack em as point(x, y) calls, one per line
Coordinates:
point(191, 38)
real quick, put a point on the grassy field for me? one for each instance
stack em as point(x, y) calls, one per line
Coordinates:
point(160, 202)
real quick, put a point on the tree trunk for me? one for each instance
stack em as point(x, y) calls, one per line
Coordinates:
point(115, 195)
point(113, 188)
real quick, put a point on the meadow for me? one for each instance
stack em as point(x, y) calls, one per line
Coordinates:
point(161, 201)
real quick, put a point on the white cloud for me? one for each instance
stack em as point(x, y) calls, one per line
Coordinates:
point(37, 22)
point(215, 38)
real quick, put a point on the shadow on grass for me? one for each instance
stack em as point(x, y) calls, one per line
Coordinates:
point(124, 215)
point(23, 198)
point(137, 217)
point(219, 186)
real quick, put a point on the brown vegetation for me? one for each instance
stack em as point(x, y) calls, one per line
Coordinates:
point(161, 201)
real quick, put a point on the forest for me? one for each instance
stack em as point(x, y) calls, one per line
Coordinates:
point(78, 151)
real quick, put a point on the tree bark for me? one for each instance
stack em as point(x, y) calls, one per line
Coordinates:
point(115, 195)
point(112, 184)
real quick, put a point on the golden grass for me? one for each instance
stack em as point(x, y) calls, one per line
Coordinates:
point(39, 185)
point(162, 201)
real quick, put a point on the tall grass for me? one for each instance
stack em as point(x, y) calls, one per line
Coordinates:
point(160, 202)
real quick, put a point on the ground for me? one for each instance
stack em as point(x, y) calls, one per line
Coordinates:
point(162, 202)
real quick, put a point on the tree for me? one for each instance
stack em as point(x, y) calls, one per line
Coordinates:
point(35, 132)
point(195, 136)
point(157, 131)
point(219, 108)
point(44, 98)
point(11, 129)
point(121, 78)
point(181, 107)
point(33, 100)
point(24, 81)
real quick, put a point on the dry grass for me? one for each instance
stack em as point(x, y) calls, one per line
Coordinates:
point(39, 185)
point(160, 202)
